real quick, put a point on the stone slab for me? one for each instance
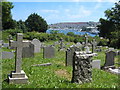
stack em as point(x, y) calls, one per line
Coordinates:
point(18, 75)
point(7, 55)
point(48, 52)
point(96, 64)
point(18, 80)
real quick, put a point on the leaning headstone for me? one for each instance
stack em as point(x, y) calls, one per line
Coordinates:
point(109, 61)
point(69, 55)
point(37, 45)
point(48, 52)
point(28, 52)
point(82, 67)
point(7, 55)
point(18, 76)
point(96, 64)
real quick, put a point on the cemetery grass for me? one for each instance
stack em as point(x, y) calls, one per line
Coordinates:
point(57, 75)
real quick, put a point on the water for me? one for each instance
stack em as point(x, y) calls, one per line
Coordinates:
point(75, 32)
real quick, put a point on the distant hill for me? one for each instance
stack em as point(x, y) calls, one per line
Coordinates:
point(73, 25)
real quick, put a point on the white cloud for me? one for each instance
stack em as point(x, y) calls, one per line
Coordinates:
point(79, 13)
point(49, 11)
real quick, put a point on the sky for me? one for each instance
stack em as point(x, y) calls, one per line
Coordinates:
point(55, 11)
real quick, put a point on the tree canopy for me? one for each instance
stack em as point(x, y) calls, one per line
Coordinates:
point(7, 21)
point(36, 23)
point(110, 27)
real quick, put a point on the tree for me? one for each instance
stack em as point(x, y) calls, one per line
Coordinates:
point(36, 23)
point(21, 25)
point(105, 28)
point(111, 26)
point(7, 21)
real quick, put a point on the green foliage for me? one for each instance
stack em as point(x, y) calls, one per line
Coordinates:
point(103, 42)
point(21, 25)
point(53, 32)
point(7, 21)
point(115, 39)
point(110, 25)
point(36, 23)
point(57, 75)
point(70, 34)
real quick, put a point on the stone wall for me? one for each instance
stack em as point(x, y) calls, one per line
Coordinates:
point(82, 67)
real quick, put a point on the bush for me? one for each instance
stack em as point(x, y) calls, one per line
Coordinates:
point(103, 42)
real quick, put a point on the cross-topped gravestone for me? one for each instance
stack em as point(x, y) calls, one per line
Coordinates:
point(19, 44)
point(93, 45)
point(18, 76)
point(86, 39)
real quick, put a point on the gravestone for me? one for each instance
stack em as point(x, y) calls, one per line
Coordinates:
point(5, 44)
point(48, 52)
point(96, 64)
point(1, 43)
point(28, 52)
point(109, 61)
point(61, 45)
point(78, 44)
point(37, 45)
point(82, 67)
point(9, 39)
point(18, 76)
point(94, 44)
point(69, 55)
point(7, 55)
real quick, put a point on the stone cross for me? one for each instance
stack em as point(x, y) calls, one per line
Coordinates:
point(61, 43)
point(93, 45)
point(86, 40)
point(19, 44)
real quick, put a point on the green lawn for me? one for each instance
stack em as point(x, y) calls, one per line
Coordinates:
point(57, 75)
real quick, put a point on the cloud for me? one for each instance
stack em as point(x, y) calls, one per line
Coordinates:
point(79, 13)
point(49, 11)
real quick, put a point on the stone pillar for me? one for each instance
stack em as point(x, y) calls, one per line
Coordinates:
point(82, 67)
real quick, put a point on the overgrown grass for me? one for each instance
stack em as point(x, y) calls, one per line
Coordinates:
point(57, 75)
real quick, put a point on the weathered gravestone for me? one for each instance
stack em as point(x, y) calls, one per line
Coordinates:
point(62, 47)
point(9, 39)
point(96, 64)
point(94, 44)
point(28, 52)
point(1, 43)
point(48, 52)
point(37, 45)
point(5, 44)
point(18, 76)
point(69, 55)
point(82, 67)
point(109, 61)
point(78, 44)
point(7, 55)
